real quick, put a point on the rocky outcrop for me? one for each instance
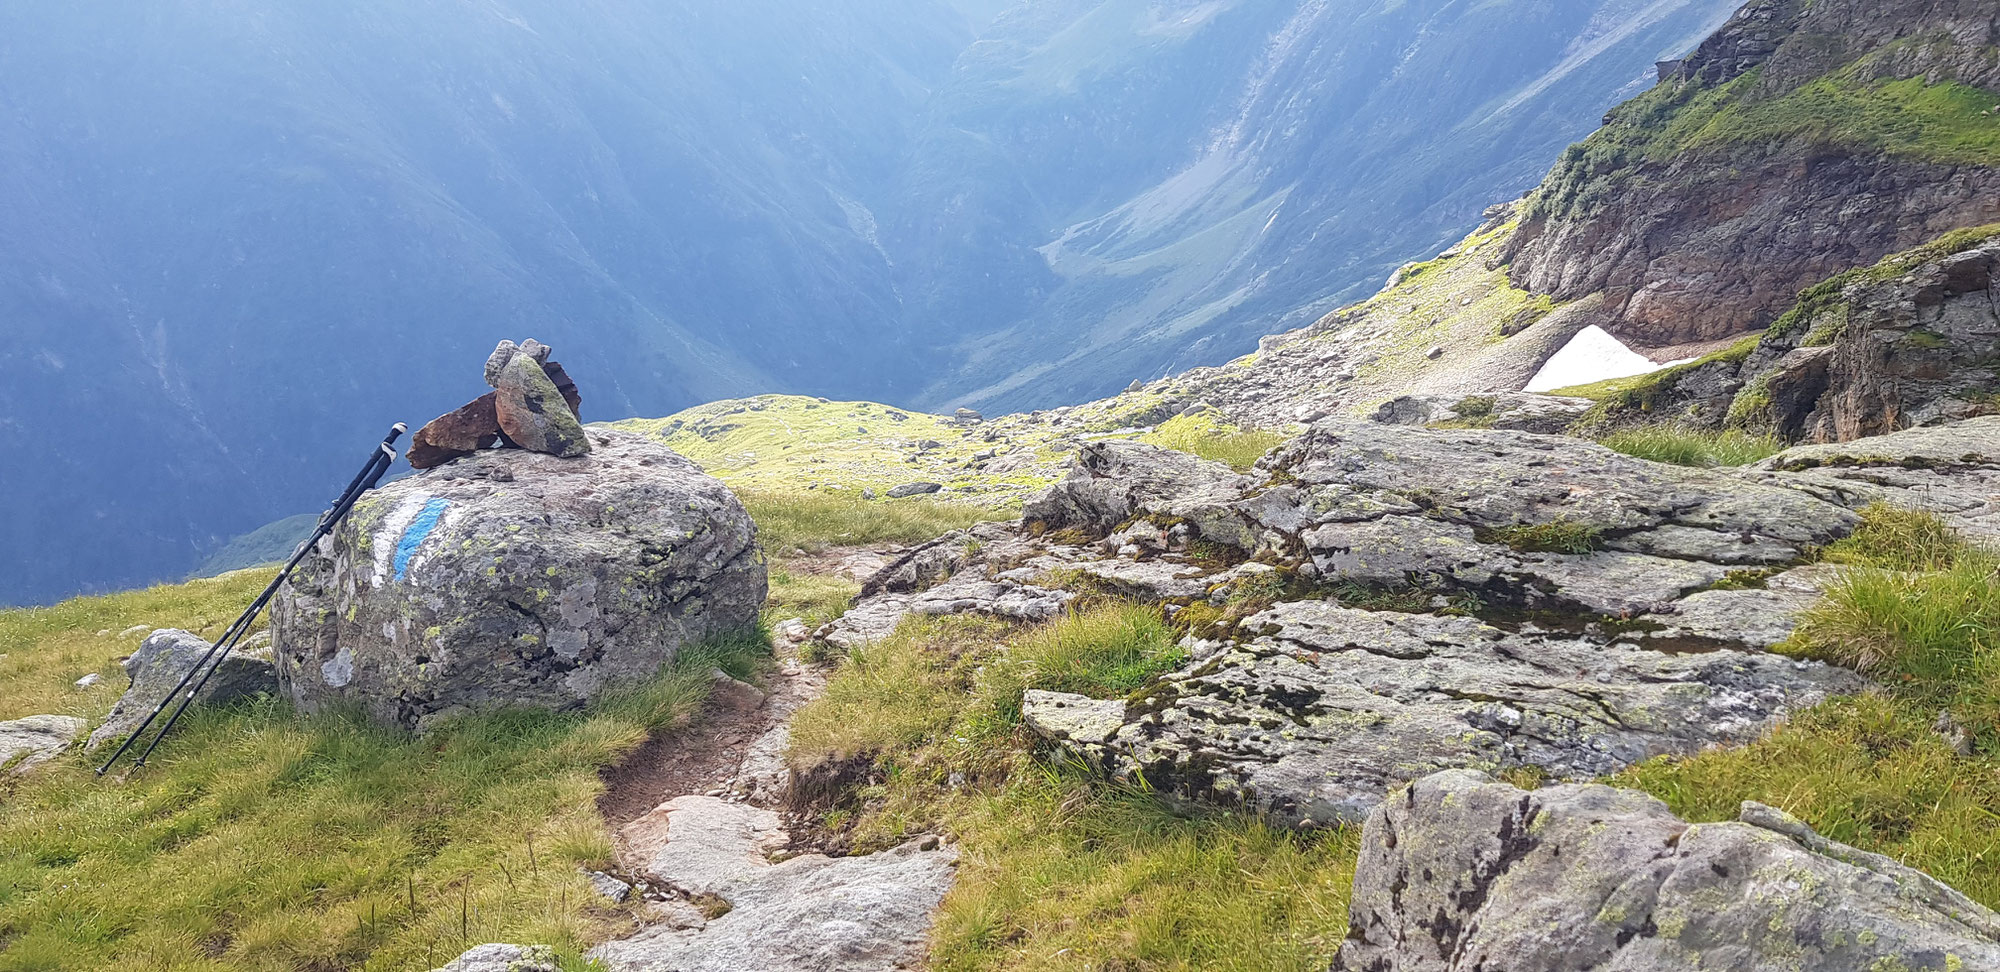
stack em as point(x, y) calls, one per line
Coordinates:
point(1911, 341)
point(517, 578)
point(1460, 873)
point(1514, 411)
point(1373, 603)
point(807, 913)
point(28, 743)
point(1529, 520)
point(1312, 720)
point(1951, 470)
point(166, 657)
point(1694, 237)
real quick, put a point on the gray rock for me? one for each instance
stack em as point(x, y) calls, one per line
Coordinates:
point(609, 887)
point(28, 743)
point(875, 618)
point(1460, 873)
point(1518, 411)
point(1455, 510)
point(1065, 717)
point(515, 578)
point(967, 416)
point(505, 958)
point(497, 361)
point(914, 489)
point(1952, 470)
point(1329, 707)
point(163, 659)
point(533, 412)
point(89, 681)
point(808, 913)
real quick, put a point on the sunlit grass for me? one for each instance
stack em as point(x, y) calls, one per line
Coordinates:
point(257, 840)
point(1058, 868)
point(820, 519)
point(1201, 435)
point(1683, 446)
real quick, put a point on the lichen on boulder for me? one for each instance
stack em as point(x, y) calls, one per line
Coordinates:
point(1459, 873)
point(515, 578)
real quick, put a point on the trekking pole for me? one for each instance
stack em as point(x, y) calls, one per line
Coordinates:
point(218, 652)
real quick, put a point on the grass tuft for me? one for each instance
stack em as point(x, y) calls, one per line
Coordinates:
point(1059, 869)
point(816, 520)
point(1556, 536)
point(1683, 446)
point(1201, 435)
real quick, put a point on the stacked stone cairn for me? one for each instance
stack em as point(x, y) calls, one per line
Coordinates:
point(534, 405)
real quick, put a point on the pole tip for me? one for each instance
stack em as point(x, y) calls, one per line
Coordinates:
point(400, 428)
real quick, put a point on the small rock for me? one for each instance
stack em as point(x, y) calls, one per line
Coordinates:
point(27, 743)
point(159, 665)
point(1954, 735)
point(104, 633)
point(1136, 385)
point(915, 489)
point(793, 630)
point(729, 693)
point(608, 886)
point(497, 361)
point(1434, 353)
point(966, 416)
point(89, 680)
point(867, 494)
point(136, 631)
point(505, 958)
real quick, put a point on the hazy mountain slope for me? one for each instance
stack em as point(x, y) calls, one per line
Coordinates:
point(1194, 175)
point(241, 239)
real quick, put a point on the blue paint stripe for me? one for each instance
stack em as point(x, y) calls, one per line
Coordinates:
point(414, 534)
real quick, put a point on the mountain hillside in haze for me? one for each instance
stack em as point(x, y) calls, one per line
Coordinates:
point(237, 241)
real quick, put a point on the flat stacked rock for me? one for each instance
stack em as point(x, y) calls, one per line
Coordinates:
point(534, 406)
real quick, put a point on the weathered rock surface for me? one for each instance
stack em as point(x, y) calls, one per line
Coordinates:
point(1460, 510)
point(1516, 411)
point(505, 958)
point(1650, 640)
point(1460, 873)
point(1952, 470)
point(30, 742)
point(1328, 708)
point(1909, 342)
point(517, 578)
point(808, 913)
point(1706, 241)
point(533, 413)
point(163, 659)
point(930, 580)
point(466, 430)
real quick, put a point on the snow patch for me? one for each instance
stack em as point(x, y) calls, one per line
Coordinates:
point(1593, 355)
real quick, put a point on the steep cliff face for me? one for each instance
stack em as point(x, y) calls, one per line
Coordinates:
point(1913, 340)
point(1804, 138)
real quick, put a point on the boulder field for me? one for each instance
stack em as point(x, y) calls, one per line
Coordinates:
point(512, 577)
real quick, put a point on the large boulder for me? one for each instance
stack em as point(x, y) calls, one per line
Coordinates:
point(166, 657)
point(28, 743)
point(517, 578)
point(1459, 873)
